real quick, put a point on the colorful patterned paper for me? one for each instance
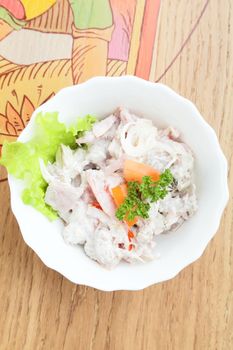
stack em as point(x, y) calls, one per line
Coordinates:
point(46, 45)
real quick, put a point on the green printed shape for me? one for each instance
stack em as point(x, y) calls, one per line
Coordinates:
point(91, 13)
point(15, 23)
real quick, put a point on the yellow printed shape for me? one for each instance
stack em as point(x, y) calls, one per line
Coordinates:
point(34, 8)
point(136, 35)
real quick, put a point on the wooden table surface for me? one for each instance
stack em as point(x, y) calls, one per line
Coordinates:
point(39, 309)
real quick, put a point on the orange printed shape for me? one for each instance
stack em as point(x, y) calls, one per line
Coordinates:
point(27, 109)
point(14, 118)
point(5, 29)
point(147, 38)
point(6, 128)
point(90, 52)
point(134, 171)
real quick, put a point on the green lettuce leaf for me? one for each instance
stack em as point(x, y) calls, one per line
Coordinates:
point(22, 159)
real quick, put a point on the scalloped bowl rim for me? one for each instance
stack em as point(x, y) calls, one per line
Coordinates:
point(105, 280)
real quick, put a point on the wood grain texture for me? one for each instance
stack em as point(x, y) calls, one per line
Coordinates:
point(41, 310)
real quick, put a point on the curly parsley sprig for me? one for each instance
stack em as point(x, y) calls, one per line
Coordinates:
point(140, 195)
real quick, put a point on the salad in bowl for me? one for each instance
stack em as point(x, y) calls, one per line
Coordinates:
point(107, 183)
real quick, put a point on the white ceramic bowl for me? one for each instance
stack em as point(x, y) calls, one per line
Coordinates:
point(101, 96)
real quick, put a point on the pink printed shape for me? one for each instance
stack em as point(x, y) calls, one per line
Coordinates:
point(123, 15)
point(15, 7)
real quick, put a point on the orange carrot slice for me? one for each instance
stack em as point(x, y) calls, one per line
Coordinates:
point(130, 235)
point(119, 194)
point(134, 171)
point(130, 223)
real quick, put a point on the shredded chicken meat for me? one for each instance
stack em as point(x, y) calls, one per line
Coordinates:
point(79, 178)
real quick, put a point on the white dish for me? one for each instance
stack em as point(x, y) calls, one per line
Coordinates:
point(100, 96)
